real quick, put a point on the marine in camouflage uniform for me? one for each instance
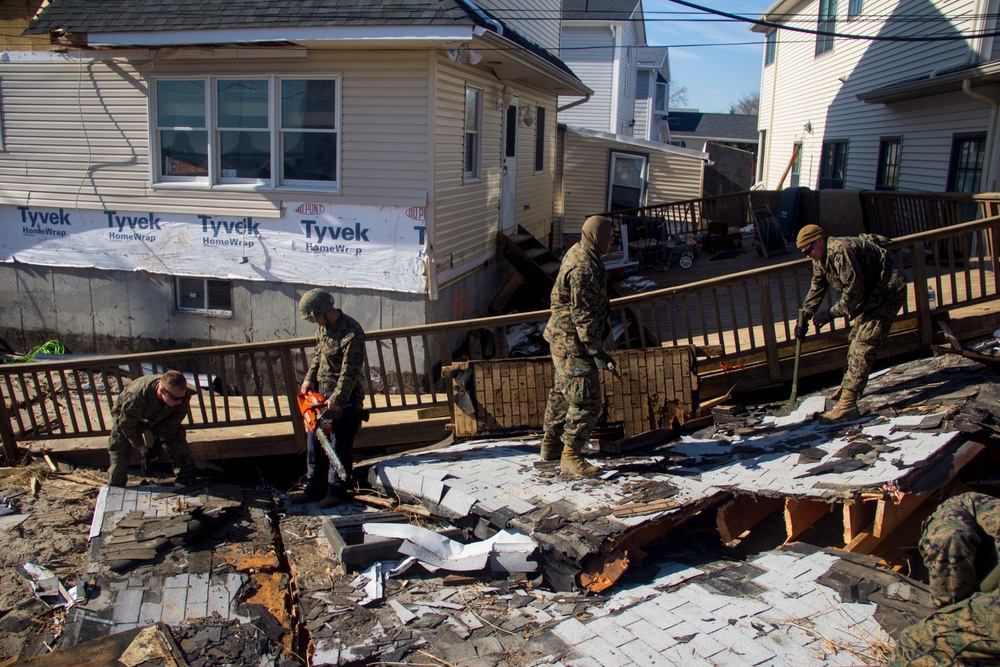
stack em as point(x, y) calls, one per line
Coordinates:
point(959, 546)
point(958, 543)
point(150, 404)
point(336, 371)
point(575, 332)
point(872, 290)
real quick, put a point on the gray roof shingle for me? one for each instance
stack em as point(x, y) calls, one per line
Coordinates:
point(599, 10)
point(731, 126)
point(82, 16)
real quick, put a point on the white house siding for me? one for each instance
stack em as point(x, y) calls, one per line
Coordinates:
point(584, 178)
point(642, 129)
point(590, 52)
point(627, 58)
point(800, 89)
point(534, 204)
point(538, 20)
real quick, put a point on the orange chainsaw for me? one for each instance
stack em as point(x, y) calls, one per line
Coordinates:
point(320, 421)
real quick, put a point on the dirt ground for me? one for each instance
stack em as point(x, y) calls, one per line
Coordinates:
point(54, 535)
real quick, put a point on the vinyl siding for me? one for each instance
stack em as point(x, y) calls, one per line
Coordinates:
point(465, 214)
point(538, 20)
point(589, 52)
point(90, 147)
point(627, 71)
point(672, 177)
point(800, 89)
point(534, 204)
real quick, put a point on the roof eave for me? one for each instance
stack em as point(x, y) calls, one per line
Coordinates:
point(986, 74)
point(300, 34)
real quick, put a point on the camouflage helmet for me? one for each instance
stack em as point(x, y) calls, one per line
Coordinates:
point(315, 302)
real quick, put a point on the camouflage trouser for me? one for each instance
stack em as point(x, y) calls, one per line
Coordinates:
point(868, 331)
point(574, 404)
point(959, 545)
point(967, 633)
point(120, 451)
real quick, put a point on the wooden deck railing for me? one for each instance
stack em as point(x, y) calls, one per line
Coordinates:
point(744, 314)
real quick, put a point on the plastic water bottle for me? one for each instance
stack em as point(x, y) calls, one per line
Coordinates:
point(932, 298)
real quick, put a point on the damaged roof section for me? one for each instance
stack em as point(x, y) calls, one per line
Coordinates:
point(201, 561)
point(875, 472)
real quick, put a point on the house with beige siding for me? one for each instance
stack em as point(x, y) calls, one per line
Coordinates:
point(881, 94)
point(636, 171)
point(174, 176)
point(614, 143)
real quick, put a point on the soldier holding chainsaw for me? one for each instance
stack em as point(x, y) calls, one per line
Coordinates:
point(335, 372)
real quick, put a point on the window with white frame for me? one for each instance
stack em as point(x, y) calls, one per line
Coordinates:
point(854, 8)
point(627, 181)
point(661, 97)
point(204, 295)
point(827, 22)
point(473, 132)
point(770, 47)
point(266, 131)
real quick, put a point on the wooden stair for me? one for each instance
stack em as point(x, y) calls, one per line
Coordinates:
point(530, 257)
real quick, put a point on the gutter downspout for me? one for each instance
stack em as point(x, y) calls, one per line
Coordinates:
point(989, 174)
point(482, 15)
point(975, 46)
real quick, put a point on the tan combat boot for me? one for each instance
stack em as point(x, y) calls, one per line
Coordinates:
point(574, 465)
point(552, 448)
point(845, 410)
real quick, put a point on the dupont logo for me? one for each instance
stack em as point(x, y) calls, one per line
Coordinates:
point(416, 213)
point(310, 209)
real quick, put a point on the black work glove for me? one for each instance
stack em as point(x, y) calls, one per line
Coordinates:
point(603, 360)
point(822, 318)
point(328, 419)
point(801, 330)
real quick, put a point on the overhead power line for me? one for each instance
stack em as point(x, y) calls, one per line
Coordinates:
point(833, 33)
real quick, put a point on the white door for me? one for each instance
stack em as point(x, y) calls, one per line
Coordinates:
point(508, 180)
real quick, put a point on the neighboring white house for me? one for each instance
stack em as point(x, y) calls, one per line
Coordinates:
point(616, 141)
point(652, 94)
point(890, 113)
point(180, 176)
point(600, 43)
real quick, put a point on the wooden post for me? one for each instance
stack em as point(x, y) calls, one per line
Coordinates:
point(10, 452)
point(767, 325)
point(920, 292)
point(292, 393)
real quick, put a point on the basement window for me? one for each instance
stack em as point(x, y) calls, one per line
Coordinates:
point(204, 295)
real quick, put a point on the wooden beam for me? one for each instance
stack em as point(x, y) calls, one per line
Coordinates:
point(857, 516)
point(801, 513)
point(743, 513)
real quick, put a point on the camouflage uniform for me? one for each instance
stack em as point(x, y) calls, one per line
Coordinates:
point(578, 323)
point(337, 368)
point(959, 545)
point(872, 290)
point(138, 410)
point(967, 633)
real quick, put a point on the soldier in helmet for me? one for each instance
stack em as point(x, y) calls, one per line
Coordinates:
point(872, 290)
point(335, 372)
point(157, 404)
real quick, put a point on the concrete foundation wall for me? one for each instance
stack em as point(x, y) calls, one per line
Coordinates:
point(114, 312)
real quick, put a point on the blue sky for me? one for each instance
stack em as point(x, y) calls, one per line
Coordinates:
point(716, 75)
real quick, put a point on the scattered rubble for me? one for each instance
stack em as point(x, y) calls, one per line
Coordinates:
point(488, 556)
